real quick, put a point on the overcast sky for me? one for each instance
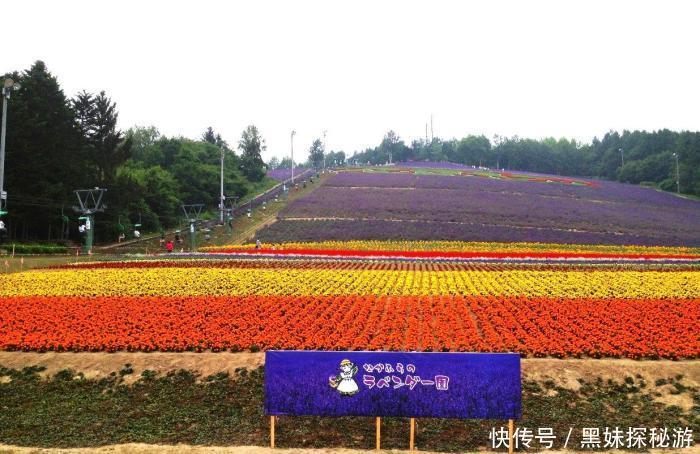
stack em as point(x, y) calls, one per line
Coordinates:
point(358, 69)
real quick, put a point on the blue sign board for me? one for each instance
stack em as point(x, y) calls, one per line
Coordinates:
point(438, 385)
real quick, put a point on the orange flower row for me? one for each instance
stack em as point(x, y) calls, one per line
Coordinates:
point(536, 326)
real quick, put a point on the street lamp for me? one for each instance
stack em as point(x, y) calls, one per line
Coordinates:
point(7, 89)
point(293, 132)
point(678, 179)
point(221, 189)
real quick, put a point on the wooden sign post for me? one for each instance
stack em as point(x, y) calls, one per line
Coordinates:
point(411, 441)
point(379, 431)
point(272, 431)
point(510, 436)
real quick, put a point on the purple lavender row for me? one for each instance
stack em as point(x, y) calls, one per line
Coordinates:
point(282, 174)
point(424, 207)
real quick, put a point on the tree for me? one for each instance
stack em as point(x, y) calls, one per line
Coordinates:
point(215, 138)
point(143, 137)
point(335, 158)
point(45, 155)
point(144, 142)
point(392, 149)
point(472, 150)
point(84, 108)
point(251, 146)
point(96, 117)
point(316, 153)
point(285, 163)
point(648, 156)
point(209, 136)
point(273, 163)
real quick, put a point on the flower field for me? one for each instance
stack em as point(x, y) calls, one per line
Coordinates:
point(399, 261)
point(616, 310)
point(282, 174)
point(408, 206)
point(465, 250)
point(451, 169)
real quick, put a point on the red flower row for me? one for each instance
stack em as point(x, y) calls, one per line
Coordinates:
point(532, 326)
point(379, 265)
point(455, 255)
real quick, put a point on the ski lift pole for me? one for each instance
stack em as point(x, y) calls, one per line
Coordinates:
point(89, 233)
point(193, 235)
point(90, 201)
point(192, 213)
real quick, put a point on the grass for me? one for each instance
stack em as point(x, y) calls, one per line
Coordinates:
point(243, 227)
point(20, 263)
point(255, 189)
point(69, 410)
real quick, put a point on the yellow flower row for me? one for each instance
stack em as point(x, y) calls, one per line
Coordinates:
point(313, 282)
point(465, 246)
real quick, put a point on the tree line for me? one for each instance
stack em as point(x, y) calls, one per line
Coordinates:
point(316, 159)
point(638, 157)
point(57, 144)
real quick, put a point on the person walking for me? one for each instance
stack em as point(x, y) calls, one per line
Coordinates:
point(169, 246)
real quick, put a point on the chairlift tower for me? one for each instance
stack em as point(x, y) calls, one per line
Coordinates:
point(192, 213)
point(90, 202)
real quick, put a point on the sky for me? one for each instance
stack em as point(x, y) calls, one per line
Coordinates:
point(573, 69)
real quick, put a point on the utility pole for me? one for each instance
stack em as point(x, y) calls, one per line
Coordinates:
point(431, 128)
point(7, 88)
point(293, 132)
point(324, 148)
point(678, 175)
point(622, 156)
point(426, 133)
point(90, 202)
point(221, 193)
point(192, 213)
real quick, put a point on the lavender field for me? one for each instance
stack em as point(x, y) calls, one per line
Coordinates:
point(281, 174)
point(356, 205)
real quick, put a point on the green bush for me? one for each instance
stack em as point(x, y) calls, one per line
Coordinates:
point(35, 248)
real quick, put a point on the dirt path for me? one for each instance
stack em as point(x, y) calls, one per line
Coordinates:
point(141, 448)
point(247, 234)
point(565, 372)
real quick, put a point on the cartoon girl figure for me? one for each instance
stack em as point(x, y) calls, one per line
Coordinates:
point(343, 382)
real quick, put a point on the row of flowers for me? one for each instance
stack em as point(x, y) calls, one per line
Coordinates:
point(641, 328)
point(463, 247)
point(518, 256)
point(265, 262)
point(206, 281)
